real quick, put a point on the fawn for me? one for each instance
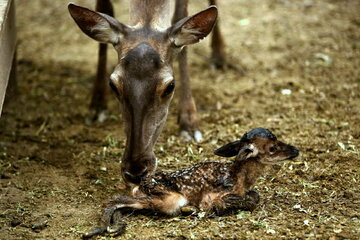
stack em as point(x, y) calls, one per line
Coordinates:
point(221, 187)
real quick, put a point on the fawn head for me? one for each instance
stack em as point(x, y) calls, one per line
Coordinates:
point(259, 143)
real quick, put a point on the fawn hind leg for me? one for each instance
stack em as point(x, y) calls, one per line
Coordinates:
point(168, 203)
point(112, 220)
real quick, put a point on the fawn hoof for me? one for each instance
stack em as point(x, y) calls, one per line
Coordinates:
point(252, 199)
point(98, 231)
point(253, 195)
point(188, 210)
point(188, 137)
point(117, 229)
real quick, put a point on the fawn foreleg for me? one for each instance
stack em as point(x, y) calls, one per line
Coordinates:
point(232, 202)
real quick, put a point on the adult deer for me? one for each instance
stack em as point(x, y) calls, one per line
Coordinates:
point(143, 79)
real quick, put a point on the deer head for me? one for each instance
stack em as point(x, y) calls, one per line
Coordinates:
point(143, 79)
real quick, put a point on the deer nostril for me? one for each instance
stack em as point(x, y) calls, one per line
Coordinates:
point(144, 173)
point(132, 178)
point(135, 178)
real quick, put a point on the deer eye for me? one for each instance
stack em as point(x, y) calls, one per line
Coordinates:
point(169, 89)
point(272, 149)
point(112, 85)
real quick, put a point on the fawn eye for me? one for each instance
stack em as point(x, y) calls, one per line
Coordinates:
point(248, 150)
point(169, 89)
point(272, 149)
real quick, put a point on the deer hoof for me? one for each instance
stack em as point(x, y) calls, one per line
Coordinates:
point(187, 136)
point(198, 136)
point(94, 116)
point(102, 116)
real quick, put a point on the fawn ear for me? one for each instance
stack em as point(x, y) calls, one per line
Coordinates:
point(239, 149)
point(229, 150)
point(96, 25)
point(192, 29)
point(247, 151)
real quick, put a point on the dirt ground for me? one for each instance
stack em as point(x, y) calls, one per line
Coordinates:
point(302, 81)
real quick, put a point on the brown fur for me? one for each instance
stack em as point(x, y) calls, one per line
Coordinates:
point(143, 79)
point(219, 187)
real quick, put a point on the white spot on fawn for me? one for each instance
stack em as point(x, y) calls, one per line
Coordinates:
point(182, 202)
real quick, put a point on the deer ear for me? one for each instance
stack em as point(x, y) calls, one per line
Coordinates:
point(98, 26)
point(229, 150)
point(192, 29)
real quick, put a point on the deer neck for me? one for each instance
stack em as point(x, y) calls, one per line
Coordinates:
point(153, 13)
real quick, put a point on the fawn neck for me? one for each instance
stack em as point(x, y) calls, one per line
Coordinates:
point(245, 173)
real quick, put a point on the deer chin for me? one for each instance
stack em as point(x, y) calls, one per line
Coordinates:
point(273, 161)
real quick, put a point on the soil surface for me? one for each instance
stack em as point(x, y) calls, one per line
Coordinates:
point(302, 80)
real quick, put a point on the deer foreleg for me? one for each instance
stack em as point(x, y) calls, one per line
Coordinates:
point(217, 44)
point(187, 118)
point(98, 101)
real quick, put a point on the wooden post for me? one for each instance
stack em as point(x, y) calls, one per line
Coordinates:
point(7, 46)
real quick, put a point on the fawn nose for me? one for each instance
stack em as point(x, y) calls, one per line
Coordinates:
point(294, 152)
point(135, 178)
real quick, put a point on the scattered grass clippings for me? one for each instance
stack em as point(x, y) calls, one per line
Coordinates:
point(300, 78)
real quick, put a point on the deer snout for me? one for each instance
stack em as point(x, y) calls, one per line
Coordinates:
point(134, 170)
point(135, 178)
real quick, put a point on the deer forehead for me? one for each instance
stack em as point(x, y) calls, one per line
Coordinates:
point(261, 142)
point(157, 38)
